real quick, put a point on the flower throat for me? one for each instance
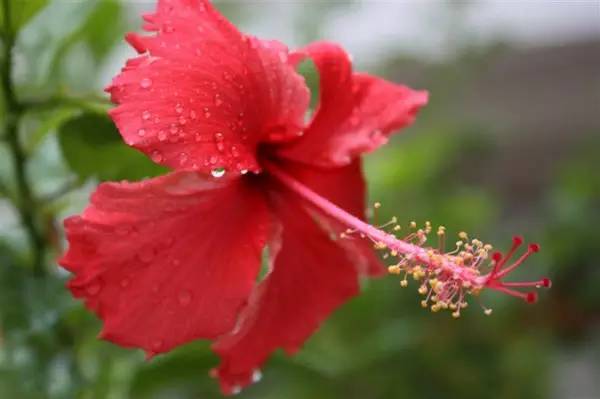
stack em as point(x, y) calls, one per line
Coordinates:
point(445, 278)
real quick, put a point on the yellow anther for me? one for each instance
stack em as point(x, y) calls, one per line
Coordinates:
point(404, 283)
point(397, 227)
point(435, 308)
point(394, 219)
point(463, 236)
point(394, 269)
point(487, 247)
point(433, 282)
point(456, 314)
point(463, 305)
point(377, 205)
point(452, 306)
point(423, 290)
point(394, 253)
point(459, 243)
point(487, 312)
point(379, 245)
point(423, 304)
point(466, 284)
point(413, 225)
point(443, 305)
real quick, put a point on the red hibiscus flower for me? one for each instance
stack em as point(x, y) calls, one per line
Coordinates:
point(176, 258)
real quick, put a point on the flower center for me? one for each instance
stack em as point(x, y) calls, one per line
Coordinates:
point(446, 278)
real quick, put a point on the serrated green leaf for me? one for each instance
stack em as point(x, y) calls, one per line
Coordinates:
point(93, 147)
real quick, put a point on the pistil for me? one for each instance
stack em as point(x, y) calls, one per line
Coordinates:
point(446, 278)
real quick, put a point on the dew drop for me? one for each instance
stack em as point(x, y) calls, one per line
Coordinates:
point(146, 115)
point(93, 289)
point(146, 255)
point(173, 129)
point(122, 230)
point(184, 298)
point(219, 136)
point(218, 100)
point(145, 83)
point(157, 344)
point(182, 120)
point(192, 114)
point(220, 147)
point(256, 376)
point(178, 108)
point(206, 113)
point(141, 132)
point(156, 156)
point(183, 158)
point(218, 172)
point(244, 171)
point(213, 160)
point(162, 136)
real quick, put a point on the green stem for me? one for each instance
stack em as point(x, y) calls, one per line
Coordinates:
point(27, 204)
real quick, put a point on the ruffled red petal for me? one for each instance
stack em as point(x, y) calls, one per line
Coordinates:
point(345, 187)
point(202, 95)
point(356, 114)
point(167, 260)
point(310, 276)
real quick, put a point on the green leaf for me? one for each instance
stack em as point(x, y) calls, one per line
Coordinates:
point(21, 11)
point(92, 147)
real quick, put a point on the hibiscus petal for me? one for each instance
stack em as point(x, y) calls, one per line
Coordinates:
point(356, 114)
point(345, 187)
point(310, 276)
point(167, 260)
point(202, 95)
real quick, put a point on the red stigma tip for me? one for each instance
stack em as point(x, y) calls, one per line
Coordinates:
point(534, 247)
point(546, 282)
point(517, 240)
point(496, 256)
point(531, 297)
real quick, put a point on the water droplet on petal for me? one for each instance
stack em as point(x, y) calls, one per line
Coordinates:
point(218, 172)
point(182, 120)
point(141, 132)
point(183, 158)
point(244, 171)
point(256, 375)
point(157, 345)
point(122, 230)
point(162, 136)
point(146, 115)
point(146, 255)
point(213, 159)
point(174, 129)
point(156, 156)
point(178, 108)
point(93, 289)
point(192, 114)
point(218, 100)
point(206, 112)
point(145, 83)
point(184, 298)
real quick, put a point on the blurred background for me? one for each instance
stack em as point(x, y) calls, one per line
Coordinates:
point(510, 144)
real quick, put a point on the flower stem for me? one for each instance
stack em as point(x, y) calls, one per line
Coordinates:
point(26, 201)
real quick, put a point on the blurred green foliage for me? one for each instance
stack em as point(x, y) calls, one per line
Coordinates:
point(380, 345)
